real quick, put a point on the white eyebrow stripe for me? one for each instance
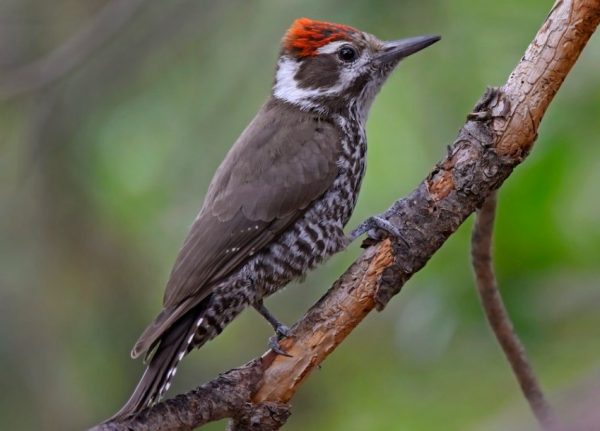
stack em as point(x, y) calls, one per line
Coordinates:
point(331, 47)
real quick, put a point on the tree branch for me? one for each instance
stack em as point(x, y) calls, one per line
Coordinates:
point(500, 321)
point(495, 139)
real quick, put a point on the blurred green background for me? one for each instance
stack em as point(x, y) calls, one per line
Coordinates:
point(106, 150)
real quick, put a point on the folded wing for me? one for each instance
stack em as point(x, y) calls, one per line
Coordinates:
point(277, 168)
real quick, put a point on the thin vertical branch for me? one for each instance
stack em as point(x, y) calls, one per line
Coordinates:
point(498, 317)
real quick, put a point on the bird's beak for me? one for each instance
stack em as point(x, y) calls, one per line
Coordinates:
point(395, 50)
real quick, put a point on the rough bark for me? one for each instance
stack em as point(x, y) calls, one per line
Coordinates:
point(496, 137)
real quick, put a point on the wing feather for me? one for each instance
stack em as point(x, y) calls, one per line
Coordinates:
point(282, 162)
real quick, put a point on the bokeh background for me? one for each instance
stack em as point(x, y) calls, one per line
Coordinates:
point(114, 116)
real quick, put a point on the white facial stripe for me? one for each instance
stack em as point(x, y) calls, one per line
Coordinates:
point(331, 47)
point(287, 88)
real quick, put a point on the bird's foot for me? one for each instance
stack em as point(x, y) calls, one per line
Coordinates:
point(376, 227)
point(281, 331)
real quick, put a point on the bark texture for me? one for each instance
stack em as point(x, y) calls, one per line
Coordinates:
point(496, 137)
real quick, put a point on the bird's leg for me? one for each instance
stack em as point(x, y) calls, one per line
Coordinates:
point(281, 331)
point(374, 225)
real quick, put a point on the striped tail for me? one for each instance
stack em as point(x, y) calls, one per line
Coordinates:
point(162, 366)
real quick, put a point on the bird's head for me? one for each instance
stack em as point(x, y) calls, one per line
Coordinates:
point(331, 68)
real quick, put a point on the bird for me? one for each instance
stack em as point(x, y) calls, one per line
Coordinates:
point(278, 203)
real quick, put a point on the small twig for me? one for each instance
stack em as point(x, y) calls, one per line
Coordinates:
point(498, 318)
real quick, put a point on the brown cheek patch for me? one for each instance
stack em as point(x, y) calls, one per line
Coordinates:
point(318, 72)
point(306, 36)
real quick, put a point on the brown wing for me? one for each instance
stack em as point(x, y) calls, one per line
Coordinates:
point(282, 162)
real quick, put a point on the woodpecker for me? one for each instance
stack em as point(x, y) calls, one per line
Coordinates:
point(278, 203)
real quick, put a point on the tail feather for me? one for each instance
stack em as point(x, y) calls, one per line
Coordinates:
point(155, 331)
point(162, 364)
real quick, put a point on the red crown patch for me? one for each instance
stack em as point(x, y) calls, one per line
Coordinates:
point(306, 36)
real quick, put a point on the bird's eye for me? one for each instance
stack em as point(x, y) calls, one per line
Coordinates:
point(347, 54)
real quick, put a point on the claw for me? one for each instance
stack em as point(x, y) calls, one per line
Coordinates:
point(274, 346)
point(282, 332)
point(371, 225)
